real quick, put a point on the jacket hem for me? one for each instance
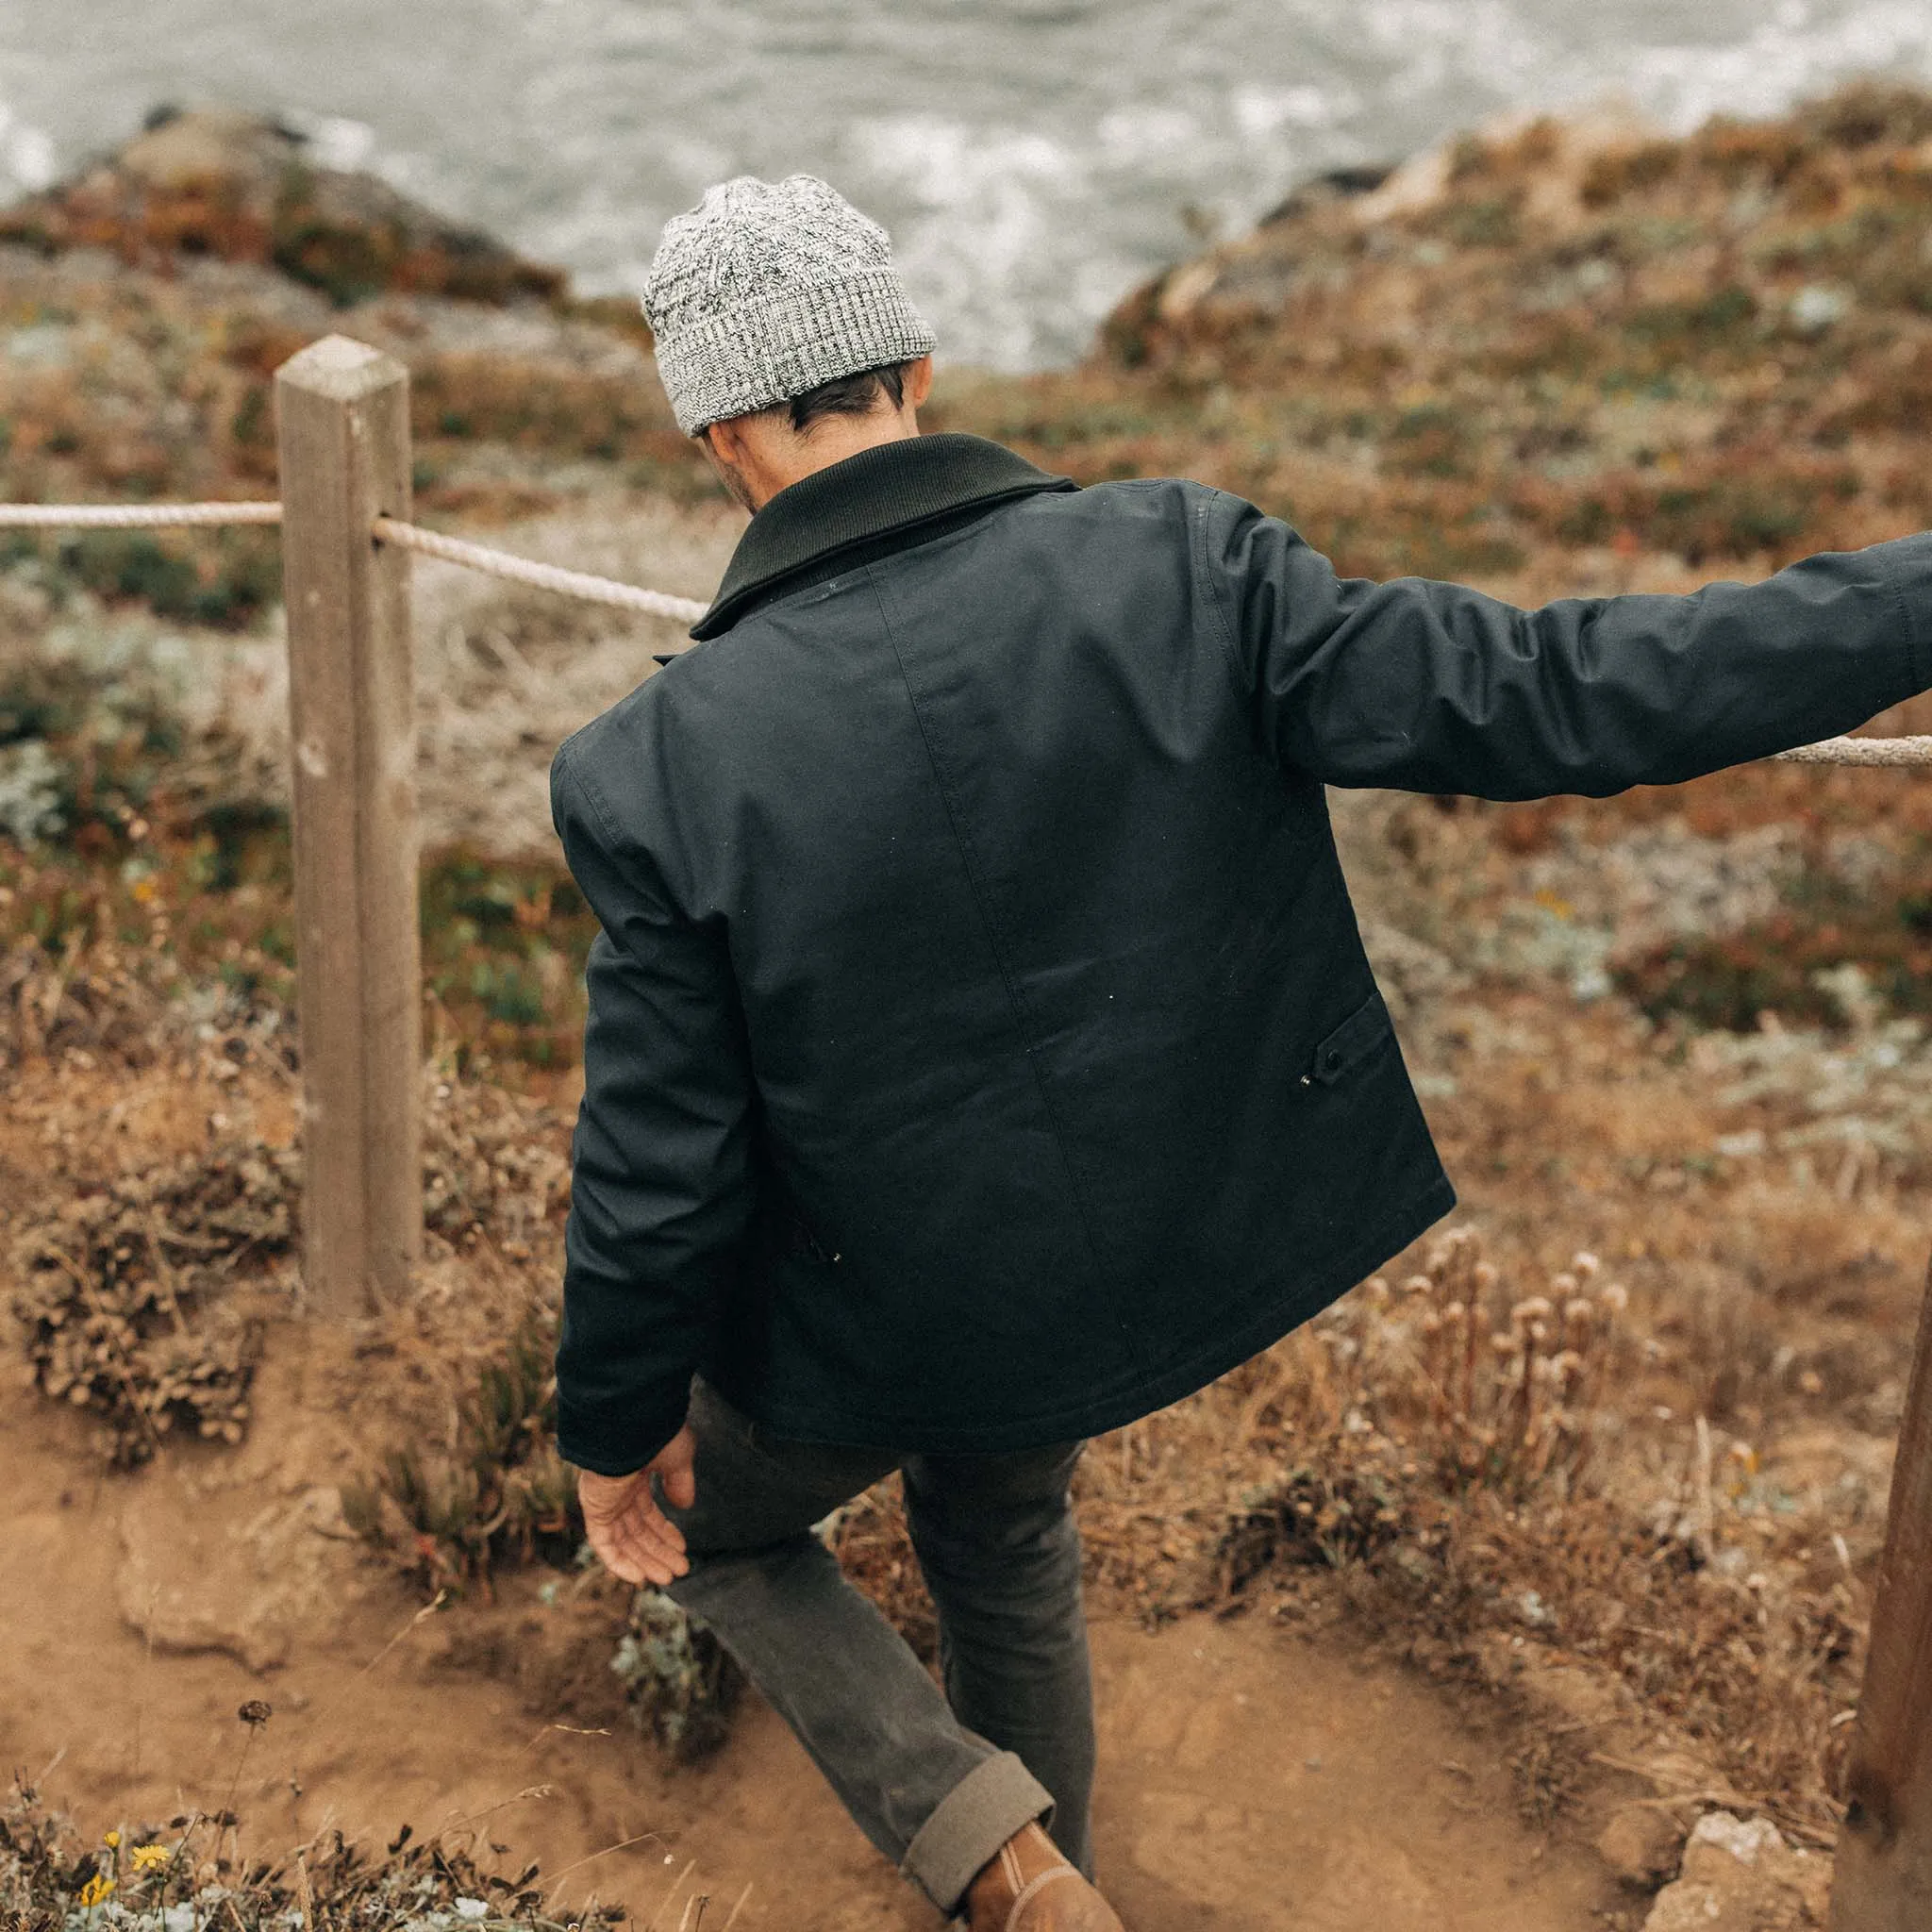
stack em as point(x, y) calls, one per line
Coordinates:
point(1095, 1417)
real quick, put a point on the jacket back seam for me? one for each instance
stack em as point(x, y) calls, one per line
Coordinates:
point(1015, 999)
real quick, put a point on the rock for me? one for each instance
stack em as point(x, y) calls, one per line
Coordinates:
point(1639, 1844)
point(1313, 238)
point(201, 1579)
point(1741, 1877)
point(1325, 190)
point(1817, 307)
point(181, 1595)
point(244, 188)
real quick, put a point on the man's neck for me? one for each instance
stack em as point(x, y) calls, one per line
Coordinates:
point(835, 438)
point(758, 457)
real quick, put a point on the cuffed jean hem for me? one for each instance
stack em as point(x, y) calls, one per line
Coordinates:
point(996, 1798)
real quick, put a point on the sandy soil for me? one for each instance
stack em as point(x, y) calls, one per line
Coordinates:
point(1252, 1780)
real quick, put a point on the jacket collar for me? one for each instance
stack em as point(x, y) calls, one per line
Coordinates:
point(891, 489)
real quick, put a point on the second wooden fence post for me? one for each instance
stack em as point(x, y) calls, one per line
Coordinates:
point(1884, 1877)
point(342, 428)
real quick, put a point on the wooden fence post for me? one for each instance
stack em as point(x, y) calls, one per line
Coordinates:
point(343, 431)
point(1883, 1881)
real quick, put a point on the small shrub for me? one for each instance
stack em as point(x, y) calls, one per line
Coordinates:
point(1608, 177)
point(223, 578)
point(504, 948)
point(1432, 440)
point(1399, 1400)
point(1794, 963)
point(1479, 1382)
point(125, 1299)
point(1737, 151)
point(1442, 1452)
point(498, 1494)
point(1314, 1517)
point(1683, 329)
point(1869, 114)
point(681, 1683)
point(1492, 221)
point(35, 791)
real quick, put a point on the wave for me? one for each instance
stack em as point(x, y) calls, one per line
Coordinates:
point(27, 160)
point(1033, 158)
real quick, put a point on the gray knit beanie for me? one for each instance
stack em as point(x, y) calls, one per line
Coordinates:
point(764, 291)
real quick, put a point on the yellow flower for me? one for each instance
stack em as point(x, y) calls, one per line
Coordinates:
point(112, 1841)
point(95, 1889)
point(151, 1857)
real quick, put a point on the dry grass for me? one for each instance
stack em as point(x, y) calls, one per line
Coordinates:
point(487, 1491)
point(191, 1872)
point(1464, 1476)
point(124, 384)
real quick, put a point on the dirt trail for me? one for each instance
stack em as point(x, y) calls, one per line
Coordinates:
point(1251, 1780)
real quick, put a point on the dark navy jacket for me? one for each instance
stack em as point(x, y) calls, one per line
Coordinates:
point(981, 1052)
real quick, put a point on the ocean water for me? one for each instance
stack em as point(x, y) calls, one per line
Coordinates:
point(1033, 158)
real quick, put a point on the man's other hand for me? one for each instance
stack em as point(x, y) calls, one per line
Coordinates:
point(633, 1537)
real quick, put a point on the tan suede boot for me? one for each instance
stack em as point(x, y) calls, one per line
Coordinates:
point(1031, 1888)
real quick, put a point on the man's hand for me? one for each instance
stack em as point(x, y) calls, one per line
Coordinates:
point(633, 1537)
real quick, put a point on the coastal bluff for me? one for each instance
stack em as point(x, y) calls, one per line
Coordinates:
point(245, 187)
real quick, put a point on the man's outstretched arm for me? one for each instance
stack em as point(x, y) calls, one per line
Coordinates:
point(661, 1184)
point(1429, 687)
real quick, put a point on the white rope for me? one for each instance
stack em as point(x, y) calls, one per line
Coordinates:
point(545, 577)
point(498, 563)
point(132, 516)
point(596, 590)
point(1861, 751)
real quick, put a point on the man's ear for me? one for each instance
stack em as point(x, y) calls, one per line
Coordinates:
point(919, 381)
point(726, 450)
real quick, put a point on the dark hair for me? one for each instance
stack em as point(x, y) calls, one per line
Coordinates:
point(849, 396)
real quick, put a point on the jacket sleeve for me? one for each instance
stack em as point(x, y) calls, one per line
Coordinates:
point(661, 1185)
point(1428, 686)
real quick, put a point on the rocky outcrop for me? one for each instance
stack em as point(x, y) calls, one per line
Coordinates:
point(1555, 343)
point(244, 188)
point(1743, 1877)
point(1522, 186)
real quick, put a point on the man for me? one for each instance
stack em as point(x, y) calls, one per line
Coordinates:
point(980, 1052)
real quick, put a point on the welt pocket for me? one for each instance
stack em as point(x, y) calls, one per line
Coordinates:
point(1350, 1044)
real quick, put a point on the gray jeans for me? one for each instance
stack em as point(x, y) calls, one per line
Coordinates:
point(937, 1781)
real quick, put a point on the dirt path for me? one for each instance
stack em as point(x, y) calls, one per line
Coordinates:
point(1251, 1781)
